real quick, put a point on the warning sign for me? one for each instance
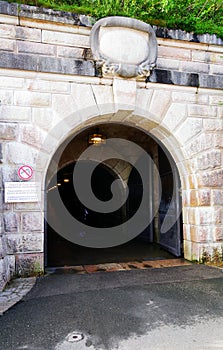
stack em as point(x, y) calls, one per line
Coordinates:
point(25, 172)
point(21, 192)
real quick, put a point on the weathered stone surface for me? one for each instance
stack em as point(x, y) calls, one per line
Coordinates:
point(22, 243)
point(9, 82)
point(200, 56)
point(11, 222)
point(178, 34)
point(187, 79)
point(143, 98)
point(36, 48)
point(64, 105)
point(29, 264)
point(157, 109)
point(32, 222)
point(4, 207)
point(70, 52)
point(200, 215)
point(3, 274)
point(6, 96)
point(188, 97)
point(218, 139)
point(43, 85)
point(201, 233)
point(9, 8)
point(219, 234)
point(104, 93)
point(65, 39)
point(186, 232)
point(216, 69)
point(1, 154)
point(83, 96)
point(211, 81)
point(201, 143)
point(15, 114)
point(209, 160)
point(124, 93)
point(212, 124)
point(6, 19)
point(32, 135)
point(194, 67)
point(174, 52)
point(188, 250)
point(42, 117)
point(19, 154)
point(189, 128)
point(215, 57)
point(200, 198)
point(218, 216)
point(9, 174)
point(17, 32)
point(28, 206)
point(216, 99)
point(164, 76)
point(175, 115)
point(24, 33)
point(202, 111)
point(46, 64)
point(7, 45)
point(211, 179)
point(33, 99)
point(220, 111)
point(8, 131)
point(166, 63)
point(2, 247)
point(7, 270)
point(217, 197)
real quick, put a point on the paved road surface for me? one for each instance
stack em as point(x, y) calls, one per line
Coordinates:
point(155, 309)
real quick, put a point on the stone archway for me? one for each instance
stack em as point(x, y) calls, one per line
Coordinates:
point(153, 109)
point(76, 144)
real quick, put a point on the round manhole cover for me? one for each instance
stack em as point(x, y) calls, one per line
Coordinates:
point(75, 337)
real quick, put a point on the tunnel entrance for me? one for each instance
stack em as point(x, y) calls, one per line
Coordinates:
point(151, 243)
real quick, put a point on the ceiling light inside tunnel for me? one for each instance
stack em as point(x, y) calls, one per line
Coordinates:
point(66, 180)
point(96, 138)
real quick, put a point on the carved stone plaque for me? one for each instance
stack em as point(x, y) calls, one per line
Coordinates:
point(124, 46)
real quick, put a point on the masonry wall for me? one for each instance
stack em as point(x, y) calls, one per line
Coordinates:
point(49, 88)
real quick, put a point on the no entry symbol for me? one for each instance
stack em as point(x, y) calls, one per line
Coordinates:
point(25, 172)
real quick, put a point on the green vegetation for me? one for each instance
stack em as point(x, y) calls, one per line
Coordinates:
point(214, 258)
point(198, 16)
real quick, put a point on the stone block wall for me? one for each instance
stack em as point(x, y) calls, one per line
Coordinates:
point(49, 89)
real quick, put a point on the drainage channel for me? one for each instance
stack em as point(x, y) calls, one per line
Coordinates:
point(121, 266)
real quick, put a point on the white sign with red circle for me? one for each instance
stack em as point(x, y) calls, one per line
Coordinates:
point(25, 172)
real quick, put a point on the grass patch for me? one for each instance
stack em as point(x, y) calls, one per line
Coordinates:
point(197, 16)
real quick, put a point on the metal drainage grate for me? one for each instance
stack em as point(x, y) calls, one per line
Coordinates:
point(75, 337)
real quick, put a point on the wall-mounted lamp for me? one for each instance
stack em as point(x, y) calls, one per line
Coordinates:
point(96, 138)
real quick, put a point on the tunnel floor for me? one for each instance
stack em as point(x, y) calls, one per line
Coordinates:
point(68, 254)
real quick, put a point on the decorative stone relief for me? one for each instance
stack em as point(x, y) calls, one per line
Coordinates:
point(124, 47)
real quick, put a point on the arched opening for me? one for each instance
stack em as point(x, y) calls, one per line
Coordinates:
point(150, 243)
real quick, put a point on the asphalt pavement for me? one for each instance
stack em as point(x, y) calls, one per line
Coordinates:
point(155, 309)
